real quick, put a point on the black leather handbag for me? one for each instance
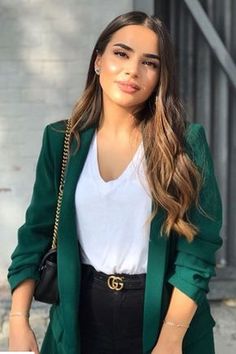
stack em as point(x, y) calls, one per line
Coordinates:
point(46, 288)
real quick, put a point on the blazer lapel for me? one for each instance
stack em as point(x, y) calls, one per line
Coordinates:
point(154, 282)
point(68, 250)
point(75, 165)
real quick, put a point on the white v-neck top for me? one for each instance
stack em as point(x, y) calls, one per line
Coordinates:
point(111, 216)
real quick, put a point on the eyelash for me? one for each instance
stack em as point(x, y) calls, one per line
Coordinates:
point(123, 54)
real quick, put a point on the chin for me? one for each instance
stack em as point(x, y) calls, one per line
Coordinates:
point(127, 105)
point(126, 101)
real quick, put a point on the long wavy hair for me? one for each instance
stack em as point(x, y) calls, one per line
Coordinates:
point(173, 179)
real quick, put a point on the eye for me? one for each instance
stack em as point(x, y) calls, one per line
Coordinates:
point(151, 63)
point(120, 53)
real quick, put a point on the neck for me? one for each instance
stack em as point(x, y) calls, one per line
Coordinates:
point(117, 120)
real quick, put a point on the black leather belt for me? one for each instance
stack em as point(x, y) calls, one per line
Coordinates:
point(114, 282)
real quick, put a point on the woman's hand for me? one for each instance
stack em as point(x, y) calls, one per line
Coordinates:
point(175, 325)
point(169, 342)
point(167, 348)
point(21, 336)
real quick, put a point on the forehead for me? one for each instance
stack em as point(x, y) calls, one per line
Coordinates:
point(137, 37)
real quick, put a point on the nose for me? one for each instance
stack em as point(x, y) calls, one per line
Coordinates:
point(132, 68)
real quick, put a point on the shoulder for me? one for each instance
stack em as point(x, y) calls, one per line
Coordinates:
point(54, 134)
point(197, 146)
point(56, 130)
point(53, 139)
point(194, 132)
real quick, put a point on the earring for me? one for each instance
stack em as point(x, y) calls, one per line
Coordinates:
point(97, 71)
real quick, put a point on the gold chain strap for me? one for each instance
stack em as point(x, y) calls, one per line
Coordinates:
point(65, 158)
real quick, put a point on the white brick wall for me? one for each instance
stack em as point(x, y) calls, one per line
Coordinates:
point(45, 48)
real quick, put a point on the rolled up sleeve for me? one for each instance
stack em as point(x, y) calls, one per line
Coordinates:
point(35, 235)
point(195, 261)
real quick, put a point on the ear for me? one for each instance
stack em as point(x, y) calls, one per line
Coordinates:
point(97, 62)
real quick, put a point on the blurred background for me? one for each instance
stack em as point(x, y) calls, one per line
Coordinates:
point(45, 47)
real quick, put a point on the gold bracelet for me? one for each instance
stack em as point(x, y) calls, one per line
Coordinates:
point(19, 314)
point(173, 324)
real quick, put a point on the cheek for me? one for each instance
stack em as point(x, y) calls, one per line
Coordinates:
point(109, 73)
point(111, 67)
point(151, 82)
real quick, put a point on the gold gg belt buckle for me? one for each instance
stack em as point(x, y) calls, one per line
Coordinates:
point(115, 283)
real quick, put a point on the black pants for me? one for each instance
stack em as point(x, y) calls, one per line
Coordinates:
point(110, 321)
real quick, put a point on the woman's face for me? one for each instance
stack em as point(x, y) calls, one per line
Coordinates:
point(129, 66)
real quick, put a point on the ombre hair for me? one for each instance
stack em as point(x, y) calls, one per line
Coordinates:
point(173, 178)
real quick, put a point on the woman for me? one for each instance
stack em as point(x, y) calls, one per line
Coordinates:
point(141, 198)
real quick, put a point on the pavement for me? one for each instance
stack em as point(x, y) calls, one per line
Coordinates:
point(224, 313)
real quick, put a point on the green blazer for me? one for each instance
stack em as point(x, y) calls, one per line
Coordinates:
point(172, 262)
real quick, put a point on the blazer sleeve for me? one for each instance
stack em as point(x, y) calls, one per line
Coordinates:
point(195, 262)
point(35, 236)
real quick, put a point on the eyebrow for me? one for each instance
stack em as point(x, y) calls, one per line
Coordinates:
point(148, 55)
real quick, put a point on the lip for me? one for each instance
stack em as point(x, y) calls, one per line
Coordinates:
point(128, 86)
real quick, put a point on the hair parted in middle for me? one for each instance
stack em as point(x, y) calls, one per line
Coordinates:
point(173, 178)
